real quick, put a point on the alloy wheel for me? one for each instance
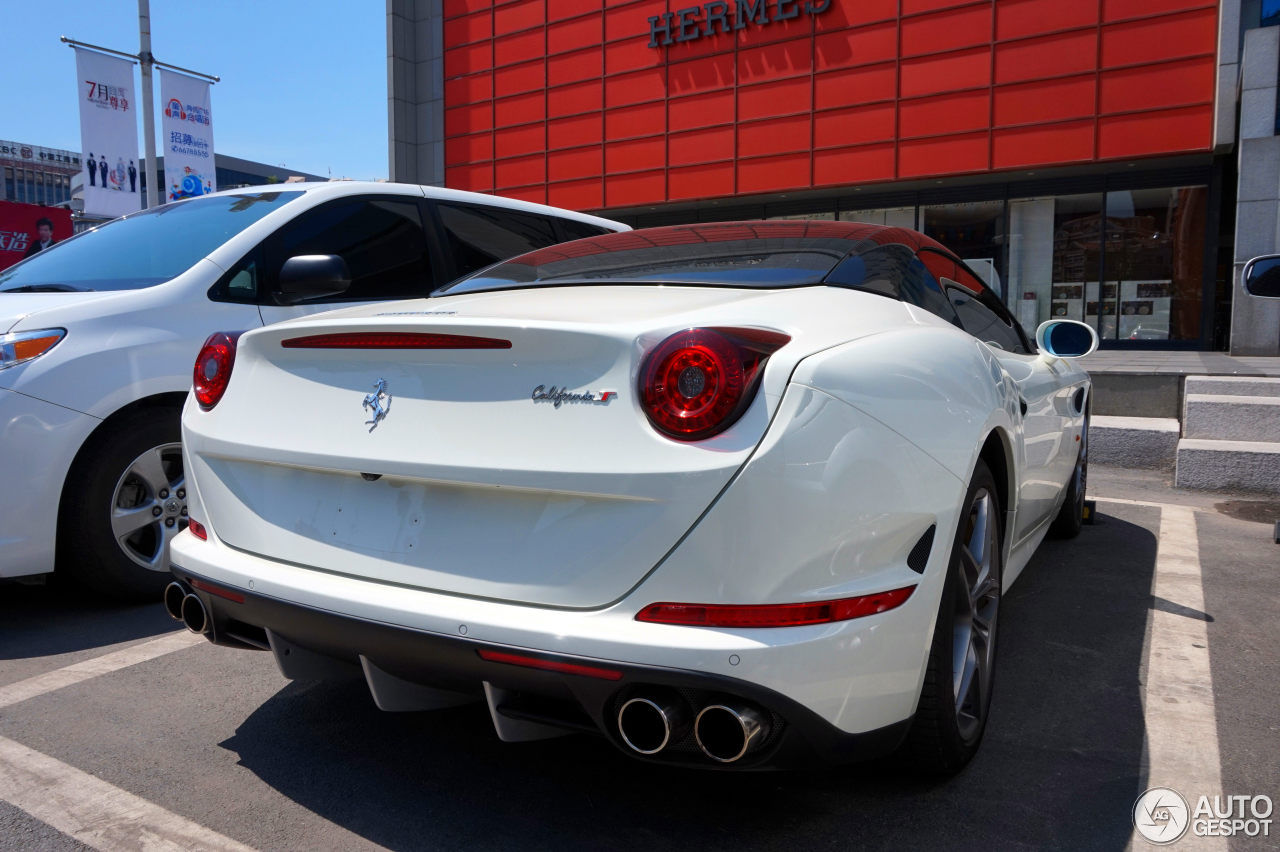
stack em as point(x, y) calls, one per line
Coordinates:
point(149, 506)
point(977, 605)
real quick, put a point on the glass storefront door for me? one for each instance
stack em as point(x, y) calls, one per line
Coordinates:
point(1054, 257)
point(974, 230)
point(1141, 280)
point(1153, 264)
point(894, 217)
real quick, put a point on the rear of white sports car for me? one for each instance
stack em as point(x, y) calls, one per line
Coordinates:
point(633, 509)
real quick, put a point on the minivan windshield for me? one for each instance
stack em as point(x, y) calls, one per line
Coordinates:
point(142, 249)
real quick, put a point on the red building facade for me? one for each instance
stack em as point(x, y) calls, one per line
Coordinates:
point(580, 103)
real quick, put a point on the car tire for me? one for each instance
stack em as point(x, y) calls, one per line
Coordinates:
point(1071, 516)
point(123, 502)
point(955, 698)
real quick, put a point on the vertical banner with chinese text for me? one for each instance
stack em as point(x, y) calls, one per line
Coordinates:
point(108, 134)
point(188, 136)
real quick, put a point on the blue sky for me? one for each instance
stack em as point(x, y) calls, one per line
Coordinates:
point(304, 84)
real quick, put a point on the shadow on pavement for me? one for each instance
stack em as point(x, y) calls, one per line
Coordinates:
point(1060, 767)
point(41, 621)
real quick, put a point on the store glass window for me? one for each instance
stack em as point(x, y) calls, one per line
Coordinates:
point(894, 217)
point(974, 230)
point(822, 215)
point(1055, 246)
point(1153, 264)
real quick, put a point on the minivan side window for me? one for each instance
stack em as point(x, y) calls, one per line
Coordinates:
point(479, 235)
point(381, 240)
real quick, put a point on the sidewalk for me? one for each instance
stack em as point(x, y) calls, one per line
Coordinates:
point(1181, 363)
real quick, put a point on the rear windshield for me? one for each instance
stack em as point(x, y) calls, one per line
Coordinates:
point(142, 249)
point(738, 256)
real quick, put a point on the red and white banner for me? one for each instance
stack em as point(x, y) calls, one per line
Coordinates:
point(108, 134)
point(26, 228)
point(188, 136)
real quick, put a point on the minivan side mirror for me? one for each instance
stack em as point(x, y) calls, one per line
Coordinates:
point(1066, 338)
point(1262, 276)
point(312, 276)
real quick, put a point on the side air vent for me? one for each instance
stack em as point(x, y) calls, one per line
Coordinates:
point(1077, 401)
point(919, 555)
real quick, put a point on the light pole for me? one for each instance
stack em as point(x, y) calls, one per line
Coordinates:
point(147, 61)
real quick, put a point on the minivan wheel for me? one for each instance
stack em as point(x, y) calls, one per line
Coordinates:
point(122, 505)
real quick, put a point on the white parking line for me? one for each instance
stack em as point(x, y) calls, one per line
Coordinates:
point(1181, 745)
point(1149, 504)
point(75, 802)
point(95, 812)
point(86, 669)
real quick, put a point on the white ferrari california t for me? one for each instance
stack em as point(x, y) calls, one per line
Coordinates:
point(737, 495)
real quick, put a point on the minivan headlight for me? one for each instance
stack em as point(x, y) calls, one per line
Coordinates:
point(21, 346)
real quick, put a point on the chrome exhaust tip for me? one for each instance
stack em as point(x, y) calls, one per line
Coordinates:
point(727, 733)
point(194, 615)
point(648, 726)
point(173, 595)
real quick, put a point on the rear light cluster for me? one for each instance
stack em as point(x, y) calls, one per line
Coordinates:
point(228, 594)
point(774, 615)
point(213, 367)
point(697, 383)
point(394, 340)
point(548, 664)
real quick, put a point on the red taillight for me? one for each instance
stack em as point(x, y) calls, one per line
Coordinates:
point(234, 597)
point(213, 367)
point(774, 615)
point(549, 665)
point(394, 340)
point(696, 383)
point(198, 530)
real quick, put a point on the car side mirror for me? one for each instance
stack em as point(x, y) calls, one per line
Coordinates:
point(1262, 276)
point(1066, 338)
point(312, 276)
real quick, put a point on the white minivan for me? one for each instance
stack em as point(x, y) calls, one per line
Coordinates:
point(99, 333)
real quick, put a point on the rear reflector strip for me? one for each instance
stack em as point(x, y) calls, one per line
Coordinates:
point(774, 615)
point(234, 597)
point(394, 340)
point(562, 666)
point(197, 529)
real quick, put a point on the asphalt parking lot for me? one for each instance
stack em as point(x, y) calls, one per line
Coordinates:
point(109, 738)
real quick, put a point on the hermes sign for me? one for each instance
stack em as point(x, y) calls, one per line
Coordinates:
point(719, 16)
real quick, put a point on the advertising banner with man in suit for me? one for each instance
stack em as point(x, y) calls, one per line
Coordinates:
point(27, 229)
point(109, 130)
point(187, 131)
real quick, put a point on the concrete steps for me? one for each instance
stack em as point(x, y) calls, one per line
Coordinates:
point(1149, 443)
point(1210, 465)
point(1228, 438)
point(1231, 435)
point(1231, 418)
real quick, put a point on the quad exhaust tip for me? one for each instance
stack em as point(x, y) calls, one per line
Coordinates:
point(648, 725)
point(728, 732)
point(173, 595)
point(194, 615)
